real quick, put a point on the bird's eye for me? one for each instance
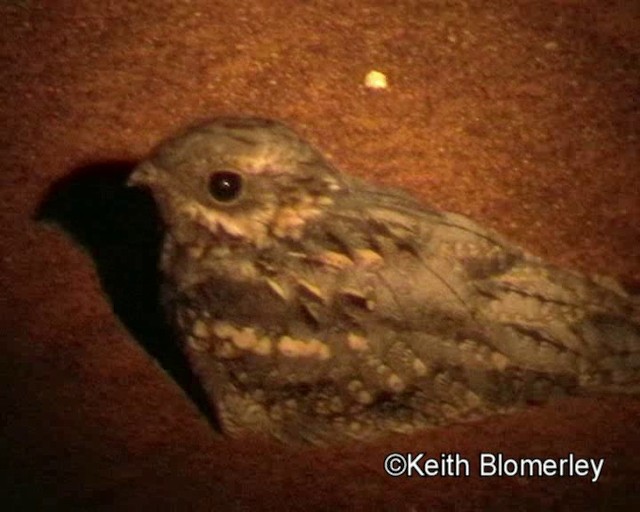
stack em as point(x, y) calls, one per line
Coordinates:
point(225, 186)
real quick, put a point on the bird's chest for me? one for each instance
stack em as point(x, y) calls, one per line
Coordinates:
point(305, 294)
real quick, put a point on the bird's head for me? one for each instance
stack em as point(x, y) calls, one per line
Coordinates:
point(251, 180)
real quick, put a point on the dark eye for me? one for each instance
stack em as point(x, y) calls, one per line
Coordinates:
point(225, 186)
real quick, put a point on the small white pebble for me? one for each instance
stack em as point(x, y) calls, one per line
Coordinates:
point(375, 80)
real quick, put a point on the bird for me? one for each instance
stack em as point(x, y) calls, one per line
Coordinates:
point(316, 307)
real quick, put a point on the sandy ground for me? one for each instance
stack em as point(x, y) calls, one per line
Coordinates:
point(522, 114)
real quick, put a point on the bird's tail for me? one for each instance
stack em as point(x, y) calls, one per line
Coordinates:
point(562, 323)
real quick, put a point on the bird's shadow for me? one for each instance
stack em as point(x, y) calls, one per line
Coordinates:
point(120, 228)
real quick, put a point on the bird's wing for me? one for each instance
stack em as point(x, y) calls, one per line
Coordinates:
point(455, 295)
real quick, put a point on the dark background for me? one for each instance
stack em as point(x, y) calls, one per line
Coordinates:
point(521, 114)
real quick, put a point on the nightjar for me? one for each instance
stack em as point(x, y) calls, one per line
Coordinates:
point(314, 306)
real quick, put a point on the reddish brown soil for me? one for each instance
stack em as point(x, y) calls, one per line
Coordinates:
point(522, 114)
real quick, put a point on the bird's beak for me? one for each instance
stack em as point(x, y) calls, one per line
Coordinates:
point(144, 175)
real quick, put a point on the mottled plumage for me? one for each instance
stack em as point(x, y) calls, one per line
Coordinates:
point(315, 306)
